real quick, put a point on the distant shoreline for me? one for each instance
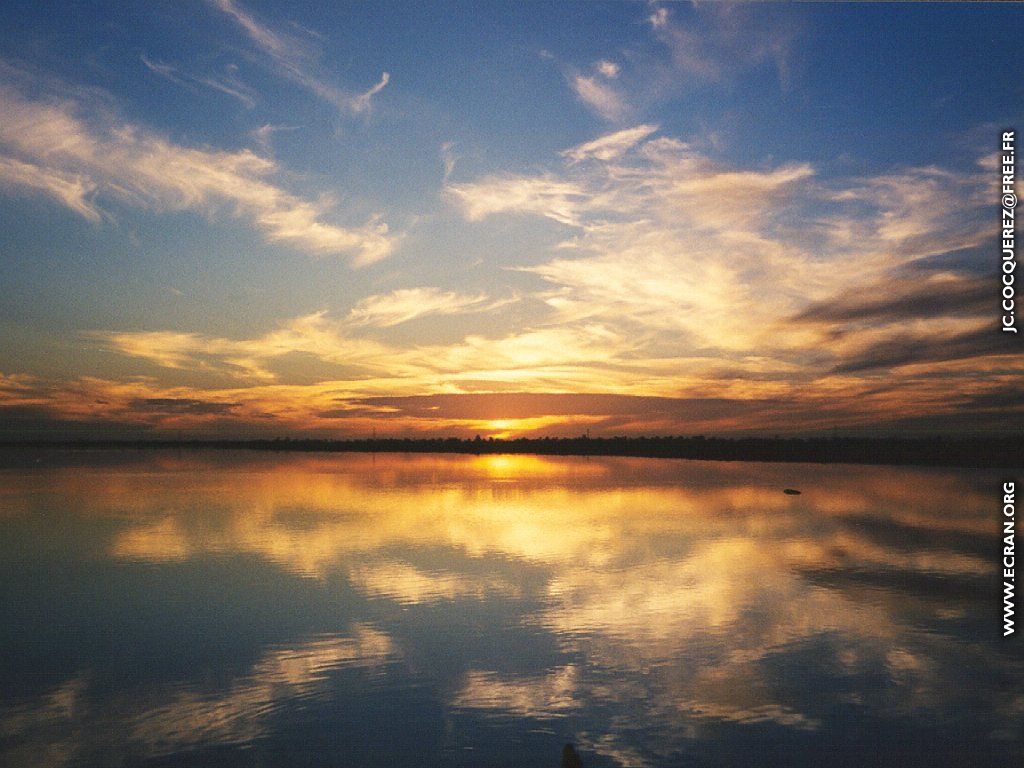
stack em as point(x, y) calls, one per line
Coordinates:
point(990, 453)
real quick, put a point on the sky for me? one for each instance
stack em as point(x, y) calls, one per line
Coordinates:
point(252, 219)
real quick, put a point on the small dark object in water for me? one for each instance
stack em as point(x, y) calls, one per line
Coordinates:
point(569, 757)
point(791, 492)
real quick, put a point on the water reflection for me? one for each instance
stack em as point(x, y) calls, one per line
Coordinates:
point(447, 610)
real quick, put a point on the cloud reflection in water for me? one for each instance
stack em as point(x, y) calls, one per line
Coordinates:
point(648, 610)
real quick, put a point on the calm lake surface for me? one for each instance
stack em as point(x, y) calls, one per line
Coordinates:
point(216, 608)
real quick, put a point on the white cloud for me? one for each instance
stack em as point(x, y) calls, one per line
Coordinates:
point(233, 88)
point(48, 147)
point(600, 97)
point(715, 43)
point(611, 145)
point(658, 18)
point(265, 133)
point(73, 190)
point(164, 70)
point(361, 103)
point(401, 306)
point(263, 36)
point(720, 40)
point(293, 60)
point(544, 195)
point(913, 209)
point(448, 159)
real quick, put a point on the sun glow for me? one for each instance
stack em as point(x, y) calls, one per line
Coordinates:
point(502, 424)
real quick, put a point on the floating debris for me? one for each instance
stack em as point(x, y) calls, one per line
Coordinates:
point(791, 492)
point(569, 757)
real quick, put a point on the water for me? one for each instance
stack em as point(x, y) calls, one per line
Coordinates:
point(214, 608)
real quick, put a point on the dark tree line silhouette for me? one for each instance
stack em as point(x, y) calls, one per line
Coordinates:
point(994, 452)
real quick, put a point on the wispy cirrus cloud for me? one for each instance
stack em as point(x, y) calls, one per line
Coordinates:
point(295, 60)
point(70, 189)
point(719, 40)
point(610, 146)
point(703, 45)
point(600, 97)
point(406, 304)
point(265, 133)
point(229, 86)
point(361, 101)
point(557, 199)
point(51, 146)
point(917, 210)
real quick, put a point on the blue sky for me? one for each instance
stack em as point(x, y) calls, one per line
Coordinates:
point(247, 217)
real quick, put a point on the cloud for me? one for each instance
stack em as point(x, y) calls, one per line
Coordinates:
point(544, 195)
point(704, 46)
point(361, 103)
point(401, 306)
point(265, 132)
point(719, 41)
point(272, 42)
point(658, 236)
point(532, 358)
point(294, 60)
point(898, 300)
point(165, 71)
point(918, 211)
point(908, 348)
point(448, 159)
point(312, 334)
point(13, 384)
point(658, 18)
point(767, 274)
point(523, 412)
point(232, 88)
point(181, 405)
point(610, 146)
point(47, 146)
point(70, 189)
point(600, 97)
point(666, 238)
